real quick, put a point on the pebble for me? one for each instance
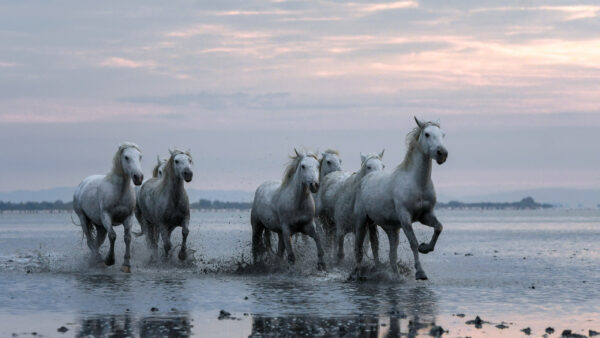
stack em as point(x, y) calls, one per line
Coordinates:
point(502, 326)
point(477, 322)
point(436, 331)
point(154, 309)
point(62, 329)
point(549, 330)
point(570, 334)
point(593, 333)
point(526, 331)
point(224, 314)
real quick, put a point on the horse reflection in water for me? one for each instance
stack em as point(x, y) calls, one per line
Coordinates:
point(127, 325)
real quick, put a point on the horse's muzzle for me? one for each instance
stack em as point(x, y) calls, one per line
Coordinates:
point(441, 155)
point(314, 187)
point(187, 175)
point(138, 179)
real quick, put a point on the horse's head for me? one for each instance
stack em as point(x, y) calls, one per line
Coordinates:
point(160, 167)
point(308, 170)
point(431, 141)
point(372, 162)
point(182, 164)
point(330, 162)
point(130, 158)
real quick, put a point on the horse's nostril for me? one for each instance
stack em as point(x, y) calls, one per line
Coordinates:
point(317, 185)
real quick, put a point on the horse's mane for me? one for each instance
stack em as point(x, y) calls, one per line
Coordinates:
point(290, 169)
point(168, 170)
point(160, 161)
point(412, 140)
point(117, 168)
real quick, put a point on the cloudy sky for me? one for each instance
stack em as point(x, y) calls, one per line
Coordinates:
point(515, 85)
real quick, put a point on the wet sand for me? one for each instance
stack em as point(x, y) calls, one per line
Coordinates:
point(515, 270)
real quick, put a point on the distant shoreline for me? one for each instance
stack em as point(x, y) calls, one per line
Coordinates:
point(526, 203)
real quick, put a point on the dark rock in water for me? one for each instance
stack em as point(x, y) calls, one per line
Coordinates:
point(593, 333)
point(246, 298)
point(468, 254)
point(501, 326)
point(436, 331)
point(154, 309)
point(62, 329)
point(570, 334)
point(461, 315)
point(526, 331)
point(477, 322)
point(532, 287)
point(224, 315)
point(549, 330)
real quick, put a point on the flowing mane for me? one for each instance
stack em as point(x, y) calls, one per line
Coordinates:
point(168, 170)
point(292, 165)
point(412, 141)
point(117, 168)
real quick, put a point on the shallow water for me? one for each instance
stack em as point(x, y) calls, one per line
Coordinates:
point(524, 268)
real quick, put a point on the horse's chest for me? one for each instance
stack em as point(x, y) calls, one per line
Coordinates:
point(175, 218)
point(119, 214)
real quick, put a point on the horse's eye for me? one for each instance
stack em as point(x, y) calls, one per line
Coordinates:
point(426, 134)
point(369, 167)
point(329, 162)
point(303, 166)
point(126, 158)
point(176, 161)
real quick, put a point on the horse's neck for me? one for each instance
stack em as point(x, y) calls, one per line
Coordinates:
point(120, 180)
point(419, 168)
point(173, 186)
point(300, 192)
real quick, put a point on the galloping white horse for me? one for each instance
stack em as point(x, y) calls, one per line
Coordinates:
point(330, 162)
point(104, 201)
point(344, 204)
point(159, 167)
point(163, 204)
point(288, 207)
point(395, 200)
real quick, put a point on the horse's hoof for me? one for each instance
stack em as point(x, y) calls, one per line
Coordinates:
point(420, 275)
point(424, 248)
point(291, 260)
point(126, 268)
point(182, 255)
point(321, 266)
point(109, 261)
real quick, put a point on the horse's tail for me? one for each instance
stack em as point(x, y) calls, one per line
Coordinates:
point(138, 234)
point(73, 221)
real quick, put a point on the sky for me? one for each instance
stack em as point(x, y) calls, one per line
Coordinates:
point(514, 84)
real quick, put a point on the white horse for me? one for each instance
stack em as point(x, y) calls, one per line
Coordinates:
point(104, 201)
point(395, 200)
point(344, 204)
point(163, 204)
point(159, 167)
point(288, 207)
point(330, 162)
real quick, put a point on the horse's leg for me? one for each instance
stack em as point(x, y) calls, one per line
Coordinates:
point(257, 245)
point(359, 238)
point(374, 239)
point(429, 219)
point(394, 240)
point(126, 267)
point(310, 229)
point(280, 245)
point(165, 234)
point(184, 233)
point(267, 240)
point(151, 235)
point(339, 243)
point(100, 237)
point(112, 236)
point(406, 224)
point(287, 240)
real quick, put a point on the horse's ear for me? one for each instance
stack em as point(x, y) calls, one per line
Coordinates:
point(157, 159)
point(171, 152)
point(297, 153)
point(381, 153)
point(363, 157)
point(419, 123)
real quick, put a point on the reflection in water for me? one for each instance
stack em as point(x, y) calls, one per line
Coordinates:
point(127, 326)
point(354, 326)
